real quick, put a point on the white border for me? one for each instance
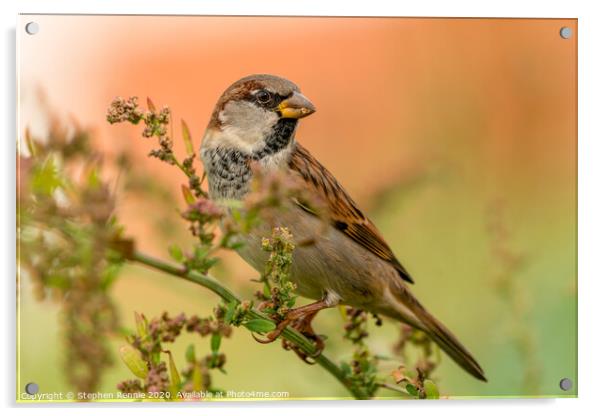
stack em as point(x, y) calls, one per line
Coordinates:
point(458, 8)
point(590, 180)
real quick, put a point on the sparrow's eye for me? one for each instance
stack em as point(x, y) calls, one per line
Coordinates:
point(263, 97)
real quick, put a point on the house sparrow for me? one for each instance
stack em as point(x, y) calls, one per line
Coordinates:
point(349, 262)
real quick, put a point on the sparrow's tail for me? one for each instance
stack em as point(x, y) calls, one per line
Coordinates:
point(436, 330)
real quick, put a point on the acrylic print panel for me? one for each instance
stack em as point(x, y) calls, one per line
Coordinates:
point(455, 137)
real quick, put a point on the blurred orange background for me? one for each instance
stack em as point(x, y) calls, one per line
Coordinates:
point(430, 124)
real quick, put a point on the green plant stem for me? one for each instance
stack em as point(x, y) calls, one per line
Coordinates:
point(227, 295)
point(180, 166)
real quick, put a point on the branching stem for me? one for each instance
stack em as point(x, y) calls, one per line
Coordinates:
point(226, 294)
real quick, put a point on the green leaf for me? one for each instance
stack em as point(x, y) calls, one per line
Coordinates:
point(237, 245)
point(431, 390)
point(45, 178)
point(197, 377)
point(188, 197)
point(216, 340)
point(343, 312)
point(267, 291)
point(187, 139)
point(230, 310)
point(155, 357)
point(209, 263)
point(412, 389)
point(109, 275)
point(346, 368)
point(200, 251)
point(133, 360)
point(141, 325)
point(176, 253)
point(260, 325)
point(174, 376)
point(190, 354)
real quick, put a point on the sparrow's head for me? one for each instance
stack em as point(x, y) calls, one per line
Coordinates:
point(255, 109)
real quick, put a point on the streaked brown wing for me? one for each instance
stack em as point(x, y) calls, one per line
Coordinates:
point(344, 213)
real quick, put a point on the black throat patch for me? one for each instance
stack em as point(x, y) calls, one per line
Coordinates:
point(278, 139)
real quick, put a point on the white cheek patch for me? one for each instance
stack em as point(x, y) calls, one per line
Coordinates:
point(246, 125)
point(214, 138)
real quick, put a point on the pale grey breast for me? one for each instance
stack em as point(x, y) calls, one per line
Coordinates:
point(228, 172)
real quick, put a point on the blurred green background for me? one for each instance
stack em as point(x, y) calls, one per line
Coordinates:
point(457, 136)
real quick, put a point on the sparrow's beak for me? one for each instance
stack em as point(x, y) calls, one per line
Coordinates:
point(297, 106)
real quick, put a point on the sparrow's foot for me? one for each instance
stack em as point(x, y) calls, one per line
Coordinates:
point(300, 319)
